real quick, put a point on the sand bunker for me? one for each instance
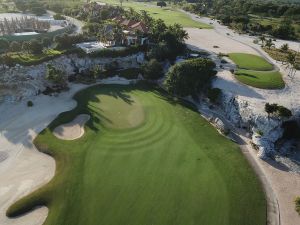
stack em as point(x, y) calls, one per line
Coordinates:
point(212, 41)
point(72, 130)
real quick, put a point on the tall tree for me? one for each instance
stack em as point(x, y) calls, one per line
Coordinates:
point(269, 43)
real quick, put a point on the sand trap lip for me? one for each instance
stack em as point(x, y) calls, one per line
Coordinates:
point(72, 130)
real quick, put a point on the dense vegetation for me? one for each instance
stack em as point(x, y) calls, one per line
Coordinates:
point(170, 168)
point(169, 14)
point(297, 205)
point(167, 41)
point(277, 110)
point(276, 18)
point(190, 77)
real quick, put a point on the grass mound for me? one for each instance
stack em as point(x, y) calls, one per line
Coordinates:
point(261, 79)
point(172, 168)
point(250, 62)
point(255, 71)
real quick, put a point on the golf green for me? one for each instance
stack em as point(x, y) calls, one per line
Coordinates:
point(257, 72)
point(170, 167)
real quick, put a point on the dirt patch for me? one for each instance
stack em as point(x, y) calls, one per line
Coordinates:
point(72, 130)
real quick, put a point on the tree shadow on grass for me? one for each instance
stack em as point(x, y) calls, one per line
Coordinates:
point(246, 75)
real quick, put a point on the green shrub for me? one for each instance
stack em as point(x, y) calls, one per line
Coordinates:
point(58, 16)
point(112, 66)
point(161, 4)
point(297, 205)
point(38, 11)
point(117, 53)
point(15, 46)
point(190, 77)
point(261, 133)
point(35, 47)
point(130, 73)
point(284, 112)
point(152, 70)
point(213, 94)
point(270, 108)
point(278, 109)
point(56, 76)
point(29, 103)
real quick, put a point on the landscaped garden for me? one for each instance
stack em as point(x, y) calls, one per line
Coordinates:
point(145, 158)
point(256, 71)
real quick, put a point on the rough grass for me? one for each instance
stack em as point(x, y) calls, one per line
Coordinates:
point(274, 22)
point(280, 55)
point(250, 62)
point(27, 59)
point(169, 14)
point(173, 168)
point(260, 79)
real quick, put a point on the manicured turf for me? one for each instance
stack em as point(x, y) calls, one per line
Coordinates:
point(250, 62)
point(256, 71)
point(170, 167)
point(260, 79)
point(169, 14)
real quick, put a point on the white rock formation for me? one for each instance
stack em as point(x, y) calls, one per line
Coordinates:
point(21, 82)
point(265, 130)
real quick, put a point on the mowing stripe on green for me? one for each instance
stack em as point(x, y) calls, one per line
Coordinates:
point(170, 168)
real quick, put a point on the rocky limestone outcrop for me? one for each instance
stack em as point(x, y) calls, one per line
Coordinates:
point(21, 82)
point(265, 130)
point(220, 125)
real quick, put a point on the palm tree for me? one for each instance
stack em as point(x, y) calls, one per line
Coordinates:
point(291, 64)
point(269, 43)
point(118, 34)
point(262, 39)
point(284, 48)
point(146, 18)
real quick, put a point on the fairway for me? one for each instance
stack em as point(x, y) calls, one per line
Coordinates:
point(169, 15)
point(169, 167)
point(255, 71)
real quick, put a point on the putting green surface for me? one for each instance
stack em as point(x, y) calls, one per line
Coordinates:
point(260, 79)
point(169, 168)
point(255, 71)
point(250, 62)
point(168, 14)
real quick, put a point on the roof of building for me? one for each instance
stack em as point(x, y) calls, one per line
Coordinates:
point(140, 26)
point(128, 23)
